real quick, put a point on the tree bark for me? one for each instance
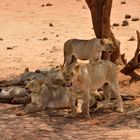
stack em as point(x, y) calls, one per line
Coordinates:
point(100, 13)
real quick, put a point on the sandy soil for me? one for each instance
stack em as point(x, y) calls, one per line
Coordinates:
point(25, 23)
point(28, 40)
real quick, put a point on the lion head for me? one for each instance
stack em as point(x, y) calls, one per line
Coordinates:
point(35, 85)
point(108, 45)
point(70, 73)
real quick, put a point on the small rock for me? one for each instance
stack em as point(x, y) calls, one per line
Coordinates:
point(44, 39)
point(57, 35)
point(49, 4)
point(51, 51)
point(123, 2)
point(42, 5)
point(1, 39)
point(116, 24)
point(10, 48)
point(125, 23)
point(42, 53)
point(27, 39)
point(132, 38)
point(127, 16)
point(135, 19)
point(50, 24)
point(84, 7)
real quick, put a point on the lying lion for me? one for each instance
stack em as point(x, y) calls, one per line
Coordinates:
point(21, 79)
point(80, 78)
point(26, 75)
point(86, 49)
point(54, 86)
point(43, 96)
point(6, 96)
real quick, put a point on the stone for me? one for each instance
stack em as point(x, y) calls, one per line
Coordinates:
point(127, 16)
point(135, 19)
point(49, 4)
point(123, 2)
point(132, 38)
point(115, 24)
point(50, 24)
point(125, 23)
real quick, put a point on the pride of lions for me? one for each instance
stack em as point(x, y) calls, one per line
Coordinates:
point(73, 85)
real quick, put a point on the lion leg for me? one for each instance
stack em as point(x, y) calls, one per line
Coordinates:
point(119, 100)
point(68, 59)
point(107, 93)
point(22, 100)
point(72, 100)
point(33, 108)
point(74, 59)
point(79, 106)
point(85, 107)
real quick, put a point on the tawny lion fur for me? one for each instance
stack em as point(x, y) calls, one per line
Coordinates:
point(82, 77)
point(86, 49)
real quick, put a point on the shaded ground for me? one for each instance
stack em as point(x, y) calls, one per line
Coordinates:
point(27, 39)
point(103, 125)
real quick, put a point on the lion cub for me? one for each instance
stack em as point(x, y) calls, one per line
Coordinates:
point(86, 49)
point(81, 78)
point(37, 89)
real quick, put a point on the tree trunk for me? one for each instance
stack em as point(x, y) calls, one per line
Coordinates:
point(100, 13)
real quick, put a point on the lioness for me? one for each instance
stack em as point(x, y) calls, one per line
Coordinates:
point(80, 78)
point(7, 96)
point(21, 79)
point(86, 49)
point(13, 92)
point(43, 95)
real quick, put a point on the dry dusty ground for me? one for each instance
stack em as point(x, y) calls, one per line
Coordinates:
point(28, 40)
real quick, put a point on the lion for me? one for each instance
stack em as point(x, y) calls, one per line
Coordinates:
point(81, 78)
point(21, 79)
point(37, 101)
point(13, 92)
point(7, 95)
point(44, 95)
point(86, 50)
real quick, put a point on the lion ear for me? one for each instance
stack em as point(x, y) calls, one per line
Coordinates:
point(26, 69)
